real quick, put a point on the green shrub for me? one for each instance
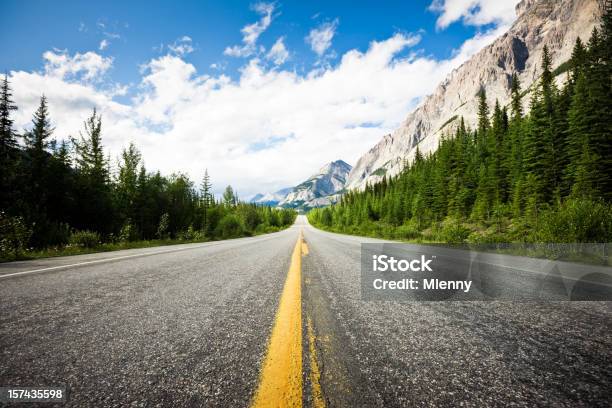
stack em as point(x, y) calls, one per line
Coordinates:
point(251, 217)
point(407, 231)
point(190, 235)
point(14, 235)
point(575, 220)
point(453, 231)
point(287, 217)
point(85, 239)
point(230, 227)
point(128, 232)
point(162, 228)
point(57, 234)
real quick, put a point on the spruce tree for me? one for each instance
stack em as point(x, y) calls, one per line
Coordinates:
point(8, 148)
point(37, 140)
point(206, 198)
point(8, 140)
point(483, 124)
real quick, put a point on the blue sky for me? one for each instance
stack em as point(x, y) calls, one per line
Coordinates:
point(156, 69)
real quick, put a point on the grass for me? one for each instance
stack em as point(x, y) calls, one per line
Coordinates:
point(427, 237)
point(71, 250)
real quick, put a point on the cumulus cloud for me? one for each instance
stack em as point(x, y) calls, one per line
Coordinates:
point(474, 12)
point(278, 53)
point(320, 38)
point(88, 66)
point(251, 32)
point(269, 128)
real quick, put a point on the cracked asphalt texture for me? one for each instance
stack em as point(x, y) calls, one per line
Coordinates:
point(190, 328)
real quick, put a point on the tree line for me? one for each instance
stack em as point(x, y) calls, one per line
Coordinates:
point(545, 176)
point(57, 193)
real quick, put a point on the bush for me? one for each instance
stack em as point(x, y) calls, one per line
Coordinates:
point(251, 217)
point(288, 216)
point(230, 227)
point(55, 234)
point(128, 232)
point(162, 229)
point(575, 220)
point(407, 231)
point(453, 232)
point(190, 235)
point(14, 235)
point(85, 239)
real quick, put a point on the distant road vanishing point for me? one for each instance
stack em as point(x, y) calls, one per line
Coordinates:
point(278, 319)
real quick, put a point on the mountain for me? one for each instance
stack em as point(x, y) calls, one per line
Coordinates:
point(321, 189)
point(555, 23)
point(271, 199)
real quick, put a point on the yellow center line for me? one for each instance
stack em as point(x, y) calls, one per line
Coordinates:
point(315, 374)
point(280, 382)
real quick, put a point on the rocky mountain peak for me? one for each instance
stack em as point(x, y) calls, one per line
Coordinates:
point(555, 23)
point(320, 189)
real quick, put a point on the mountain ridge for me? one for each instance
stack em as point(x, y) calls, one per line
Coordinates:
point(539, 22)
point(320, 189)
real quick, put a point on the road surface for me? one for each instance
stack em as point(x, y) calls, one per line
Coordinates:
point(202, 324)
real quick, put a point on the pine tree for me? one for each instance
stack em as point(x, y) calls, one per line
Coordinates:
point(229, 199)
point(94, 184)
point(90, 153)
point(8, 140)
point(8, 148)
point(599, 88)
point(127, 183)
point(206, 197)
point(578, 60)
point(483, 124)
point(37, 139)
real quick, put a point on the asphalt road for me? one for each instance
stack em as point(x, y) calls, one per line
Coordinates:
point(189, 326)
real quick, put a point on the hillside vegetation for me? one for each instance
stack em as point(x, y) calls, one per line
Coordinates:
point(541, 177)
point(64, 198)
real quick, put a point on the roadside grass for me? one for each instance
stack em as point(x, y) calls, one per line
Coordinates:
point(585, 253)
point(70, 250)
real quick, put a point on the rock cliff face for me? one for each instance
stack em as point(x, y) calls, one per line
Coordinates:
point(320, 189)
point(555, 23)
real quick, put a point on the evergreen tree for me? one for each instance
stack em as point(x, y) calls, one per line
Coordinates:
point(90, 153)
point(93, 188)
point(127, 183)
point(8, 147)
point(8, 140)
point(229, 199)
point(206, 197)
point(483, 124)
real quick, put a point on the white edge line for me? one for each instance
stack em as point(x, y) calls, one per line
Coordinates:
point(53, 268)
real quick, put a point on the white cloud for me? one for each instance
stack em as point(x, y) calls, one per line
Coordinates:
point(474, 12)
point(89, 66)
point(182, 46)
point(278, 53)
point(320, 38)
point(251, 32)
point(104, 44)
point(268, 129)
